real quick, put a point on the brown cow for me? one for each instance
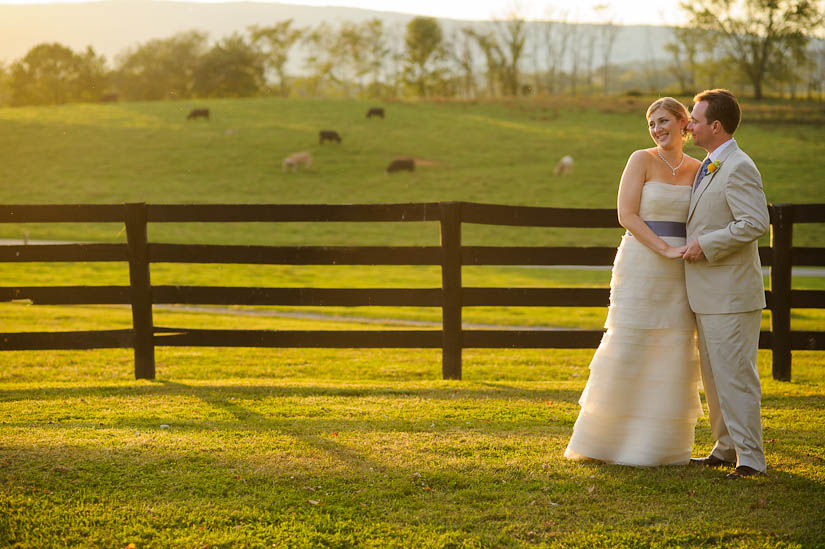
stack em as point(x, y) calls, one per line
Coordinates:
point(328, 135)
point(198, 113)
point(401, 164)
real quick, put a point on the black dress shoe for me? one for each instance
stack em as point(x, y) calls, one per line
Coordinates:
point(743, 471)
point(711, 461)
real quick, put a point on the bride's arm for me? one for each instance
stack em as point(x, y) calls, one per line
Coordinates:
point(629, 203)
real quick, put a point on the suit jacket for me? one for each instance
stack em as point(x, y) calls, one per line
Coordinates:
point(728, 213)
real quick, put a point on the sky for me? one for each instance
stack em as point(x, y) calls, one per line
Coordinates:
point(627, 12)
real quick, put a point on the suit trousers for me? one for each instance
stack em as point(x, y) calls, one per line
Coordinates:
point(728, 345)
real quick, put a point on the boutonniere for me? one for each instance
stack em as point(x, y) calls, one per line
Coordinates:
point(713, 166)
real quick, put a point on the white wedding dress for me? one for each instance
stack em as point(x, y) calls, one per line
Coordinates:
point(641, 401)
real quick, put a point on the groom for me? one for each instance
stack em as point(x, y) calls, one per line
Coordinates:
point(727, 214)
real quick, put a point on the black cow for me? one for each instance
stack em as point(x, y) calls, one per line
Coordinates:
point(400, 164)
point(198, 113)
point(375, 111)
point(328, 135)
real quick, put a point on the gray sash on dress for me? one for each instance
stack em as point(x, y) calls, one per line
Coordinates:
point(668, 228)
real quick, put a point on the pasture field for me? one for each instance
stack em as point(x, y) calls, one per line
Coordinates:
point(362, 448)
point(483, 152)
point(341, 448)
point(486, 152)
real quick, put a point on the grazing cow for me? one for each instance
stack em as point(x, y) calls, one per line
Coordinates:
point(198, 113)
point(565, 166)
point(328, 135)
point(375, 111)
point(108, 98)
point(294, 160)
point(400, 164)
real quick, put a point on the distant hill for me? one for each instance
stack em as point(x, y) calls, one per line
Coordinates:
point(111, 26)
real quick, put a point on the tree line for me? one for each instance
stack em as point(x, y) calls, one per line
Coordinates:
point(754, 46)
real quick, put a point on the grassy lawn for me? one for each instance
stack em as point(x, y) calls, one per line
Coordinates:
point(341, 448)
point(485, 152)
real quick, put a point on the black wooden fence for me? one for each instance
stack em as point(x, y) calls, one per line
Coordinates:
point(451, 255)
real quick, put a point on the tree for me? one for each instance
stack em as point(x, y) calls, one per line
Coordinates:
point(275, 42)
point(351, 51)
point(493, 56)
point(53, 73)
point(5, 90)
point(753, 31)
point(376, 52)
point(816, 69)
point(791, 63)
point(321, 60)
point(607, 32)
point(161, 68)
point(685, 52)
point(553, 37)
point(462, 57)
point(232, 68)
point(512, 34)
point(423, 41)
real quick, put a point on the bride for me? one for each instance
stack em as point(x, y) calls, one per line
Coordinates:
point(641, 400)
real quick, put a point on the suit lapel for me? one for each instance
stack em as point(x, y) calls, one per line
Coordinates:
point(705, 183)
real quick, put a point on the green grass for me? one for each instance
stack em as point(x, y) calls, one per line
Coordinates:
point(484, 152)
point(342, 448)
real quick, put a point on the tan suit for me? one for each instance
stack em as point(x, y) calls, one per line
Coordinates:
point(727, 214)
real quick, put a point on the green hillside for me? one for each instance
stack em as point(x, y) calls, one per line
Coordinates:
point(484, 152)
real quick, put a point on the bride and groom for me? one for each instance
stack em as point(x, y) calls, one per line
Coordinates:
point(686, 296)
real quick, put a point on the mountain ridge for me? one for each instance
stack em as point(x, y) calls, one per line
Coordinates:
point(113, 26)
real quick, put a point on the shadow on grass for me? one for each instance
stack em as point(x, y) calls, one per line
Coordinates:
point(498, 391)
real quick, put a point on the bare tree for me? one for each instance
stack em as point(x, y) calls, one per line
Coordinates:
point(608, 31)
point(462, 56)
point(651, 65)
point(553, 36)
point(685, 51)
point(576, 38)
point(816, 69)
point(511, 36)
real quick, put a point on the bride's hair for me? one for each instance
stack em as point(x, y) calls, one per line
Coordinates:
point(673, 106)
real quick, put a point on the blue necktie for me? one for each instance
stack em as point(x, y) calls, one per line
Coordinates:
point(702, 172)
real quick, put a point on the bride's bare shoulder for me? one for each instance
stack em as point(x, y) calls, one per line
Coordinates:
point(642, 155)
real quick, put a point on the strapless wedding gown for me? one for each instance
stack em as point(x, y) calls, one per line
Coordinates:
point(641, 401)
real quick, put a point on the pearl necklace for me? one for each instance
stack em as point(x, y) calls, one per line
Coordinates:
point(672, 169)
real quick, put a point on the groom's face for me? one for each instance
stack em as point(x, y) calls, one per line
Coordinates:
point(698, 125)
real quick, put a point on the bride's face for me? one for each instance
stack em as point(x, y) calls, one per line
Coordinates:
point(665, 128)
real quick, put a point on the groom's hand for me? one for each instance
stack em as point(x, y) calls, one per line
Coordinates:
point(693, 252)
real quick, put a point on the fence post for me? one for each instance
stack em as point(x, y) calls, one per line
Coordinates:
point(140, 290)
point(780, 277)
point(451, 290)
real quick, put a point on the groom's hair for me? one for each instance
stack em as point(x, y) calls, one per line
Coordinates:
point(722, 106)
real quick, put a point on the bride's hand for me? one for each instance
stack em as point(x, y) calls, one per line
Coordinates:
point(674, 253)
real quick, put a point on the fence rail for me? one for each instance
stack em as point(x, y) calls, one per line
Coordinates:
point(451, 296)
